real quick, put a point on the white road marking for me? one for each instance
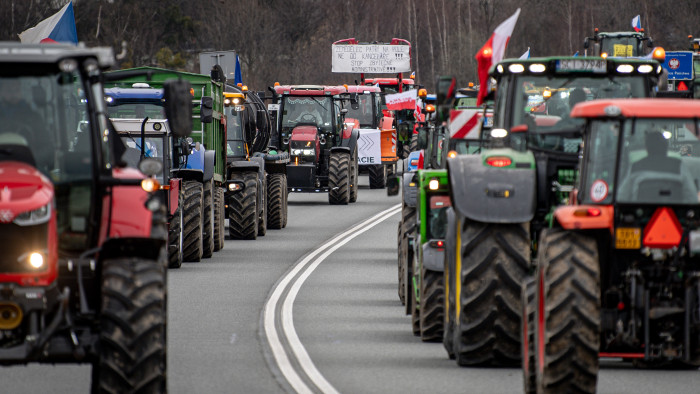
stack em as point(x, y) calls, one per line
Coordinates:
point(309, 263)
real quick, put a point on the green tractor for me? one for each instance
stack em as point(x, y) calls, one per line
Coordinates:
point(618, 44)
point(503, 196)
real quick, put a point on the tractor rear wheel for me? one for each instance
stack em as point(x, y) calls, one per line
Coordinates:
point(192, 216)
point(176, 235)
point(243, 213)
point(275, 201)
point(262, 205)
point(339, 179)
point(355, 178)
point(449, 282)
point(219, 219)
point(208, 220)
point(414, 143)
point(527, 338)
point(408, 217)
point(567, 317)
point(285, 196)
point(495, 260)
point(415, 305)
point(399, 250)
point(377, 176)
point(432, 305)
point(132, 342)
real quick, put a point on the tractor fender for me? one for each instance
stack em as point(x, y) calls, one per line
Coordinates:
point(351, 142)
point(489, 194)
point(340, 149)
point(209, 161)
point(433, 258)
point(187, 174)
point(410, 193)
point(146, 247)
point(585, 217)
point(174, 194)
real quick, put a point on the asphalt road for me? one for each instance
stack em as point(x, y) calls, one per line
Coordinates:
point(347, 316)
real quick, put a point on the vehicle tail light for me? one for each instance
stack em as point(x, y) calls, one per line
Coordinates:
point(499, 161)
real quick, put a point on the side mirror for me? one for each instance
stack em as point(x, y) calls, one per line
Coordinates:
point(206, 112)
point(650, 43)
point(344, 111)
point(586, 44)
point(354, 102)
point(422, 140)
point(178, 107)
point(446, 88)
point(393, 185)
point(151, 166)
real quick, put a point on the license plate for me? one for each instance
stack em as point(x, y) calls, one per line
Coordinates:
point(582, 65)
point(628, 238)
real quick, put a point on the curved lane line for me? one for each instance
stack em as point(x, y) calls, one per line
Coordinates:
point(302, 357)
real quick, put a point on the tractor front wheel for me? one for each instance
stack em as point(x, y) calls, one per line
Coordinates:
point(527, 338)
point(176, 235)
point(132, 342)
point(339, 179)
point(275, 200)
point(567, 315)
point(219, 219)
point(243, 213)
point(377, 176)
point(432, 305)
point(209, 220)
point(192, 216)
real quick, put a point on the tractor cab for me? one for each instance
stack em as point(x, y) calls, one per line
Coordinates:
point(618, 44)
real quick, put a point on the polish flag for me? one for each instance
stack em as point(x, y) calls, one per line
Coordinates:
point(492, 52)
point(637, 23)
point(403, 100)
point(59, 27)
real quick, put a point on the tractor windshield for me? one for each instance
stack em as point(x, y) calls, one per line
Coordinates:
point(437, 216)
point(234, 132)
point(659, 162)
point(123, 109)
point(299, 110)
point(153, 147)
point(465, 147)
point(623, 46)
point(544, 103)
point(365, 113)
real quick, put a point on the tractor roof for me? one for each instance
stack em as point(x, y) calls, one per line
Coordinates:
point(613, 34)
point(389, 81)
point(135, 93)
point(363, 89)
point(641, 108)
point(14, 52)
point(309, 90)
point(577, 65)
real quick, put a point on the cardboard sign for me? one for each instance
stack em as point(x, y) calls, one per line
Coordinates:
point(370, 58)
point(369, 147)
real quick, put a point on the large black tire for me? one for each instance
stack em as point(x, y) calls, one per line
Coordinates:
point(527, 338)
point(193, 245)
point(414, 143)
point(408, 220)
point(243, 213)
point(432, 305)
point(176, 235)
point(275, 201)
point(262, 206)
point(208, 218)
point(377, 176)
point(415, 312)
point(339, 179)
point(132, 345)
point(285, 194)
point(568, 278)
point(354, 178)
point(495, 261)
point(405, 150)
point(399, 253)
point(219, 218)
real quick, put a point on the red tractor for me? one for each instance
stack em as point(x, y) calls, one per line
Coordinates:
point(321, 145)
point(618, 272)
point(83, 268)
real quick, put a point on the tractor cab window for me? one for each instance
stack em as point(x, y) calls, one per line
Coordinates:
point(123, 109)
point(465, 147)
point(621, 46)
point(153, 147)
point(544, 104)
point(365, 113)
point(600, 154)
point(311, 110)
point(234, 132)
point(437, 216)
point(659, 161)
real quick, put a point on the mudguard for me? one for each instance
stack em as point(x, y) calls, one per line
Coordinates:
point(451, 239)
point(410, 193)
point(490, 194)
point(209, 160)
point(351, 142)
point(147, 248)
point(433, 258)
point(188, 174)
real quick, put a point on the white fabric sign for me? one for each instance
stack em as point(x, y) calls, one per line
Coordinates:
point(370, 58)
point(369, 147)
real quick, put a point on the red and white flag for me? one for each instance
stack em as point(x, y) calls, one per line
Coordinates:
point(493, 51)
point(403, 100)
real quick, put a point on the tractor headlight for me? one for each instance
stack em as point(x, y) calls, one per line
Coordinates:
point(37, 216)
point(36, 260)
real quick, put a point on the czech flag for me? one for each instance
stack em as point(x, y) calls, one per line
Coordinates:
point(525, 55)
point(637, 23)
point(59, 27)
point(493, 51)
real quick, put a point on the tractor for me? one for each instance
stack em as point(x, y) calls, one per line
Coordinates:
point(618, 44)
point(618, 269)
point(377, 138)
point(322, 146)
point(256, 196)
point(405, 119)
point(503, 196)
point(84, 263)
point(138, 115)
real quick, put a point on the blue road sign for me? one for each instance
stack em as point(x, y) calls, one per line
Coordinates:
point(679, 65)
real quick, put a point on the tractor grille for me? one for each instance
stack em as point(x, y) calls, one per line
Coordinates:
point(18, 240)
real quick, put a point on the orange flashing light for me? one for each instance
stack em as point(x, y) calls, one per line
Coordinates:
point(499, 161)
point(471, 84)
point(663, 231)
point(586, 212)
point(192, 92)
point(422, 93)
point(244, 88)
point(277, 84)
point(604, 55)
point(452, 154)
point(430, 108)
point(659, 54)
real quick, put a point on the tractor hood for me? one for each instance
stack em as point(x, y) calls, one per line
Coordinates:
point(304, 133)
point(22, 188)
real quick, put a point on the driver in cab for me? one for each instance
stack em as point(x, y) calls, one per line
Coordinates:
point(309, 114)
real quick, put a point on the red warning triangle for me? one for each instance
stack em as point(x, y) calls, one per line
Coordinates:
point(682, 86)
point(663, 230)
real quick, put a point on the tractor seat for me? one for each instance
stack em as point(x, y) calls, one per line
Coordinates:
point(16, 152)
point(659, 187)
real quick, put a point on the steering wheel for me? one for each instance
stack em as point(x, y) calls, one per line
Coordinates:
point(308, 118)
